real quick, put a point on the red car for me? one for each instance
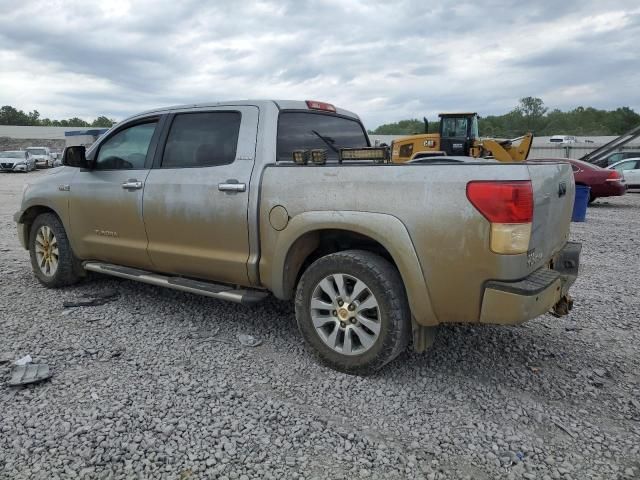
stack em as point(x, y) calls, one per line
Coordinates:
point(603, 182)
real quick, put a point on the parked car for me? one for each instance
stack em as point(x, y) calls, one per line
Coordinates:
point(615, 157)
point(603, 182)
point(563, 139)
point(42, 156)
point(630, 170)
point(236, 200)
point(16, 161)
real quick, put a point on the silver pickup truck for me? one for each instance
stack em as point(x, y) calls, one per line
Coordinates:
point(238, 199)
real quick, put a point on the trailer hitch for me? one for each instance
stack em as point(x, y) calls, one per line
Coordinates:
point(563, 307)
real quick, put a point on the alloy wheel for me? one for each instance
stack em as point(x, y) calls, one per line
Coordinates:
point(345, 314)
point(46, 249)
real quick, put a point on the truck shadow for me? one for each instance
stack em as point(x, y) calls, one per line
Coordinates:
point(541, 360)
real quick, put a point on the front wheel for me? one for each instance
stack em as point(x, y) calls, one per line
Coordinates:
point(352, 309)
point(52, 259)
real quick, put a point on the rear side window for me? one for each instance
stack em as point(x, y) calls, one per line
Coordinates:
point(304, 130)
point(202, 140)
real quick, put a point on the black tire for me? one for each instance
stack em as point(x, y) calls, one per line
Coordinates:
point(384, 283)
point(592, 199)
point(67, 271)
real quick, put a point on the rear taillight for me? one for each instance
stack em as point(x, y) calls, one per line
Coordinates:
point(508, 206)
point(315, 105)
point(614, 176)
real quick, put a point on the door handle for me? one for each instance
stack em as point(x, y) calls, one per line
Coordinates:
point(232, 187)
point(132, 184)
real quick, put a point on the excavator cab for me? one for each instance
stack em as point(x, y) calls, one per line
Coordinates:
point(458, 133)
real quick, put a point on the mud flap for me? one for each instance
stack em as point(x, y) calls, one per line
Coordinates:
point(423, 337)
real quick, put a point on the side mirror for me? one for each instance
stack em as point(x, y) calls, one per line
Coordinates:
point(75, 157)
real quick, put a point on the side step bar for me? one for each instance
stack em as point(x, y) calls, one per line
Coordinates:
point(215, 290)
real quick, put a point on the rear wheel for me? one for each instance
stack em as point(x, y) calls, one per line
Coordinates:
point(351, 308)
point(52, 260)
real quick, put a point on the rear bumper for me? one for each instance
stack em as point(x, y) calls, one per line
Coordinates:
point(608, 189)
point(511, 303)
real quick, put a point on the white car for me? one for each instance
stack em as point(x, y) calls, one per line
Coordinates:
point(630, 168)
point(42, 156)
point(16, 161)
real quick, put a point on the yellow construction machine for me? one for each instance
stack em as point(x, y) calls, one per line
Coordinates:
point(459, 136)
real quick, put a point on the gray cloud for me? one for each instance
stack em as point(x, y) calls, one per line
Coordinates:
point(385, 60)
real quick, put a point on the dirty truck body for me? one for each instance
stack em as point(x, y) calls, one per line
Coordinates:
point(234, 218)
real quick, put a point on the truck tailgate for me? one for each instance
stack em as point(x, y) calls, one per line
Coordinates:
point(553, 196)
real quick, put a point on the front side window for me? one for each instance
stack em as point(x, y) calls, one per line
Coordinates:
point(306, 131)
point(127, 149)
point(202, 139)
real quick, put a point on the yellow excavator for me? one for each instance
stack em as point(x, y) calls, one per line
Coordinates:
point(459, 136)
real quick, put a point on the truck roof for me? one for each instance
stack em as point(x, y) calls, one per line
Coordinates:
point(280, 104)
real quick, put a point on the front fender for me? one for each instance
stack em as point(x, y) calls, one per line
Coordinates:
point(48, 193)
point(385, 229)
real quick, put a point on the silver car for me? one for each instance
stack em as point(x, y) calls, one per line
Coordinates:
point(16, 161)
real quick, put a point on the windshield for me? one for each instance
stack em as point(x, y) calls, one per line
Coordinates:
point(306, 131)
point(11, 154)
point(454, 127)
point(37, 151)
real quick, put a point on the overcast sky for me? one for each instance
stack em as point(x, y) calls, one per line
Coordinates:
point(385, 60)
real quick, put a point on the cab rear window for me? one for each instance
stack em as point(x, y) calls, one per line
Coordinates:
point(308, 130)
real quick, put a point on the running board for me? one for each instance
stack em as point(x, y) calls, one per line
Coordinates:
point(215, 290)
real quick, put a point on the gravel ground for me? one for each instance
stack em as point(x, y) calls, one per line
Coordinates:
point(156, 385)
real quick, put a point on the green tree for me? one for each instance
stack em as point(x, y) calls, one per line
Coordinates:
point(103, 121)
point(403, 127)
point(531, 115)
point(12, 116)
point(532, 110)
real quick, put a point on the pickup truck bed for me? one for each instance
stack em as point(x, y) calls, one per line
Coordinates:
point(433, 212)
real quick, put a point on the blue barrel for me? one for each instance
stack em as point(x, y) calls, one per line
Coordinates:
point(581, 203)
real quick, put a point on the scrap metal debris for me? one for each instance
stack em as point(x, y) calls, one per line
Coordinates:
point(558, 424)
point(93, 299)
point(30, 373)
point(249, 340)
point(24, 360)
